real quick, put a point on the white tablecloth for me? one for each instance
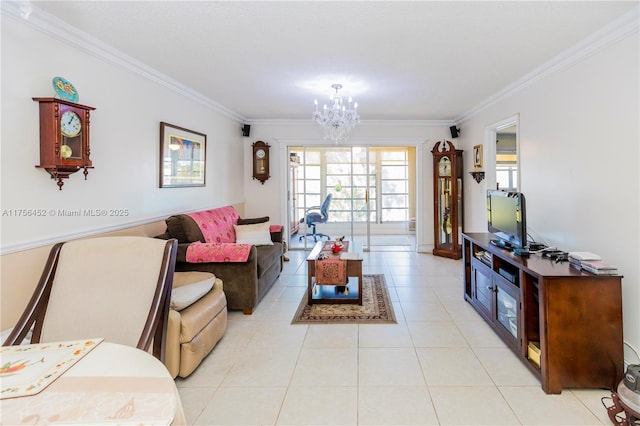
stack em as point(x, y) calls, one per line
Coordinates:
point(111, 384)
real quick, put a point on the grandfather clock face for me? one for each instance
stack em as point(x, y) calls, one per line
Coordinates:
point(444, 166)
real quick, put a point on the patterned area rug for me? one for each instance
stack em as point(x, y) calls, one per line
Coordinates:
point(376, 307)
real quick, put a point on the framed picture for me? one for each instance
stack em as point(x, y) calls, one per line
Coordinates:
point(182, 157)
point(477, 157)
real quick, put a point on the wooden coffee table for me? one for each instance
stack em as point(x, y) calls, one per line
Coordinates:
point(329, 293)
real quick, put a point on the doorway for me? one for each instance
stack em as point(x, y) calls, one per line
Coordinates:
point(372, 192)
point(502, 141)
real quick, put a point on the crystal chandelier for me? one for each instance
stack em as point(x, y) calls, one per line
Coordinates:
point(337, 119)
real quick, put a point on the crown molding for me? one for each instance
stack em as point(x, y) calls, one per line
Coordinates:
point(386, 123)
point(31, 15)
point(615, 31)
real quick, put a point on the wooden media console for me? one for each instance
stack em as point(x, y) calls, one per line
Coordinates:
point(565, 324)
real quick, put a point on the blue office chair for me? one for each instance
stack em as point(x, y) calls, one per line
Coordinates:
point(315, 215)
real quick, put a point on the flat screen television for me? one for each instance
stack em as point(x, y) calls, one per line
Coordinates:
point(506, 215)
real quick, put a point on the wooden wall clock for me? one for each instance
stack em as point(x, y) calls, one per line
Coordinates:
point(64, 138)
point(447, 200)
point(260, 161)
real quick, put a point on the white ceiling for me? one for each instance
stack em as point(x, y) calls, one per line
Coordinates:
point(420, 60)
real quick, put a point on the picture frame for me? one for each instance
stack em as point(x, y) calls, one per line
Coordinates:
point(182, 157)
point(477, 156)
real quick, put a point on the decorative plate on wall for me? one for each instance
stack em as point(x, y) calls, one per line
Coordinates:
point(65, 90)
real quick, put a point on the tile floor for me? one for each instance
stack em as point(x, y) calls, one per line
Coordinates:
point(440, 365)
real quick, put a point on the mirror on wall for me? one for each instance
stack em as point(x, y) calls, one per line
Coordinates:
point(507, 158)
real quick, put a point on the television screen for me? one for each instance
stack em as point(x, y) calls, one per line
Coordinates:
point(506, 218)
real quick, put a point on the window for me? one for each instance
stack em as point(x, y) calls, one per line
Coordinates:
point(345, 173)
point(394, 186)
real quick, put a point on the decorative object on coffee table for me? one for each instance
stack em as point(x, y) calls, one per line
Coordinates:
point(376, 307)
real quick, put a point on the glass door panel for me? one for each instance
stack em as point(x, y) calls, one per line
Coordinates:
point(370, 190)
point(483, 290)
point(507, 311)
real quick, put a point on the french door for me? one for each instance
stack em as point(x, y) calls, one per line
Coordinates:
point(370, 189)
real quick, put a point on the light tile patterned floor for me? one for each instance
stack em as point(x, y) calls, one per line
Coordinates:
point(440, 365)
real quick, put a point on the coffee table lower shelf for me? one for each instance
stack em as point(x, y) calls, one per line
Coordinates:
point(335, 294)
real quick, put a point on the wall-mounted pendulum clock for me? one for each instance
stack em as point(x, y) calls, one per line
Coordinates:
point(447, 200)
point(64, 138)
point(260, 161)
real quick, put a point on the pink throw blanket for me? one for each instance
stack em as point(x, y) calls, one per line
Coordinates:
point(217, 229)
point(216, 225)
point(210, 252)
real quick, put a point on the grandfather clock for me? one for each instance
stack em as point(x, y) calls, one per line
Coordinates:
point(447, 200)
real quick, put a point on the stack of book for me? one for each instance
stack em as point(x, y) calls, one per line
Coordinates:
point(599, 267)
point(577, 257)
point(591, 262)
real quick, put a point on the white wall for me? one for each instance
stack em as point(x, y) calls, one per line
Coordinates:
point(579, 151)
point(124, 143)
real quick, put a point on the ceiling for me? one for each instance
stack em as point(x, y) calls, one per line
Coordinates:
point(268, 60)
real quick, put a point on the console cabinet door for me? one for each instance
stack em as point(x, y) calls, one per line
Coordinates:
point(483, 290)
point(507, 311)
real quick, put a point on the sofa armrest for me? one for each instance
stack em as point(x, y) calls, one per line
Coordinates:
point(172, 346)
point(277, 233)
point(181, 256)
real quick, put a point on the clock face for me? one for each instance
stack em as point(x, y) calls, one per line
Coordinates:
point(65, 151)
point(70, 124)
point(444, 167)
point(260, 153)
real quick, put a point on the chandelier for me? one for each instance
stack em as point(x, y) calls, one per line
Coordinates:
point(337, 119)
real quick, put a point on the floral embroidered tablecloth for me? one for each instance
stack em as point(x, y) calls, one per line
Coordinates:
point(112, 384)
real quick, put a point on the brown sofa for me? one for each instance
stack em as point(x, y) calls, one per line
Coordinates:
point(245, 283)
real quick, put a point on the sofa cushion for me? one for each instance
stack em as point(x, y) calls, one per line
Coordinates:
point(196, 317)
point(253, 220)
point(186, 295)
point(184, 229)
point(257, 234)
point(190, 277)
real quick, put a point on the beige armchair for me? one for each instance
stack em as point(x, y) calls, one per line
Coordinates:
point(117, 288)
point(197, 320)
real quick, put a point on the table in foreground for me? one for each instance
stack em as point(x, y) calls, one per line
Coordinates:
point(112, 384)
point(354, 269)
